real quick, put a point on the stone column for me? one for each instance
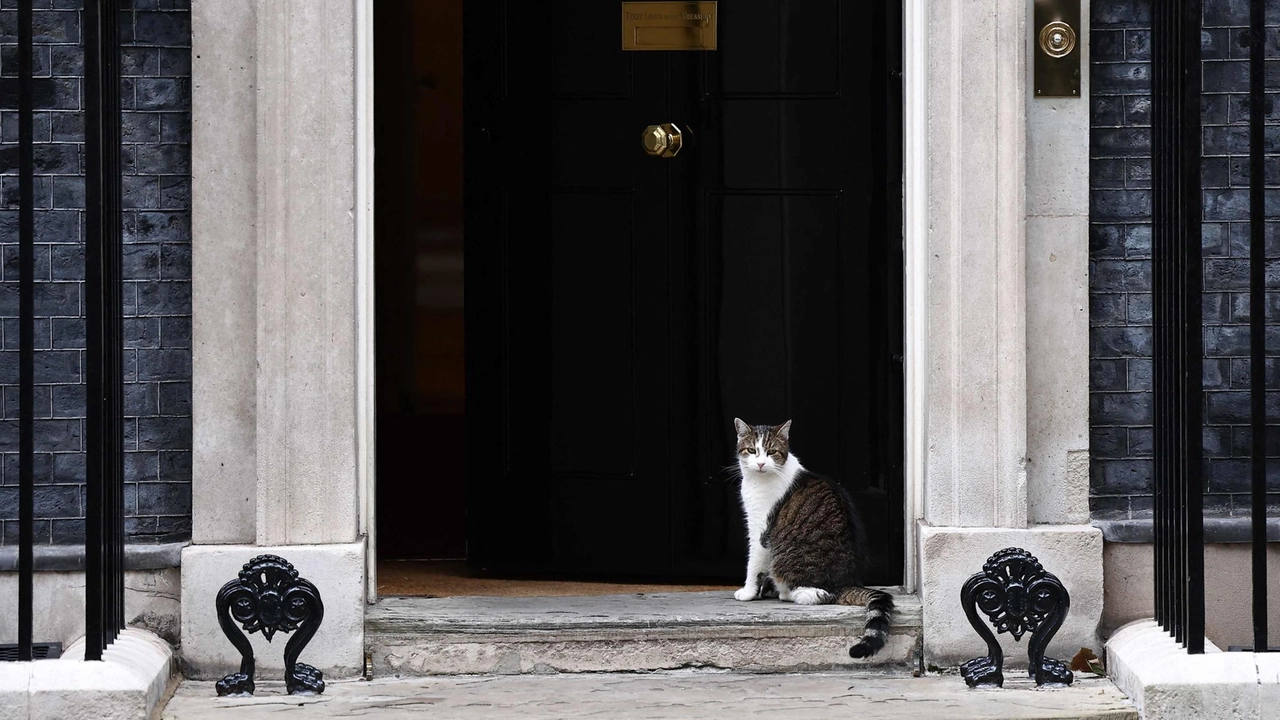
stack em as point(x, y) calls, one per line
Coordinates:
point(1058, 303)
point(1005, 460)
point(224, 288)
point(274, 173)
point(976, 94)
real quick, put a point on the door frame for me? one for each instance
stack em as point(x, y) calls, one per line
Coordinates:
point(366, 381)
point(915, 283)
point(915, 267)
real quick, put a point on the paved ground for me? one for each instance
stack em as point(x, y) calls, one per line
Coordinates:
point(678, 694)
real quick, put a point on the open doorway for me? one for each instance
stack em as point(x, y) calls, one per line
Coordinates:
point(558, 406)
point(420, 326)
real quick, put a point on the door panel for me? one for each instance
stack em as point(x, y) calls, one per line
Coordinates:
point(623, 308)
point(798, 259)
point(780, 46)
point(568, 315)
point(593, 328)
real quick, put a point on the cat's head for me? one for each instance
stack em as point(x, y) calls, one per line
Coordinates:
point(762, 449)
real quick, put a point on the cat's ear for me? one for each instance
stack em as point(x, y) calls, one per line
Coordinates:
point(742, 428)
point(784, 431)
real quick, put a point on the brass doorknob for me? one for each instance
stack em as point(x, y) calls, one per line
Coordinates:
point(662, 140)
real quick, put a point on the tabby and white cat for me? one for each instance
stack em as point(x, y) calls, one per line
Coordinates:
point(806, 539)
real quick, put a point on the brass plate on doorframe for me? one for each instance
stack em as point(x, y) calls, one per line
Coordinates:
point(669, 25)
point(1055, 26)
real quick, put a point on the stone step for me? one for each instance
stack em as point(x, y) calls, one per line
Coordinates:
point(626, 633)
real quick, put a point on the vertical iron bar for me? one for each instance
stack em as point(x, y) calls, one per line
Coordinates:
point(114, 331)
point(1170, 321)
point(1177, 322)
point(104, 526)
point(1179, 254)
point(93, 256)
point(1159, 310)
point(1193, 499)
point(26, 330)
point(1171, 345)
point(1160, 248)
point(1257, 319)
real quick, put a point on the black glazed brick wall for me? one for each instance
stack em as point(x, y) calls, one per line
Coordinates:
point(1120, 258)
point(1120, 267)
point(156, 100)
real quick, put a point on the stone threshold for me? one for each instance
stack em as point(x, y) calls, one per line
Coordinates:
point(1165, 682)
point(626, 633)
point(130, 681)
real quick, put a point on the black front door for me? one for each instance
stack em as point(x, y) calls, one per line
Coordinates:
point(623, 307)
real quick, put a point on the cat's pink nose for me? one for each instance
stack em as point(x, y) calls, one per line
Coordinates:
point(761, 465)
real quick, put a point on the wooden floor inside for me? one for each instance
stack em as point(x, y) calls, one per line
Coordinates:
point(452, 578)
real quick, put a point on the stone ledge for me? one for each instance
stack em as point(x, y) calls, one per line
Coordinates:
point(1164, 681)
point(1216, 530)
point(130, 681)
point(70, 558)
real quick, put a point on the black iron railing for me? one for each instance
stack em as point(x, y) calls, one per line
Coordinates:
point(1257, 318)
point(104, 410)
point(1178, 344)
point(1178, 351)
point(26, 329)
point(104, 521)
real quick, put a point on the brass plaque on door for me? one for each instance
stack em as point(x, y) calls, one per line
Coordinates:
point(669, 25)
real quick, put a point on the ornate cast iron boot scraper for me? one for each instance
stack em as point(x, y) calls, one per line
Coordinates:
point(269, 597)
point(1018, 597)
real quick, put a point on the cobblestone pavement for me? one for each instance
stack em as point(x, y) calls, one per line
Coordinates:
point(677, 694)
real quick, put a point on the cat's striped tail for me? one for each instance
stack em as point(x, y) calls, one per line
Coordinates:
point(879, 606)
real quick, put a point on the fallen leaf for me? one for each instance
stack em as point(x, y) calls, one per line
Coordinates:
point(1086, 661)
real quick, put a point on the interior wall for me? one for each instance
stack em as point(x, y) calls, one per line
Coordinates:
point(439, 360)
point(418, 279)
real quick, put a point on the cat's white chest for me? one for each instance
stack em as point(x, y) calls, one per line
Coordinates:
point(759, 495)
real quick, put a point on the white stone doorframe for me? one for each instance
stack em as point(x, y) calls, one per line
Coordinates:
point(996, 254)
point(366, 411)
point(996, 193)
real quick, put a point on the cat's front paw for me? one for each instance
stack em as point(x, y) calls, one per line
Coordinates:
point(745, 593)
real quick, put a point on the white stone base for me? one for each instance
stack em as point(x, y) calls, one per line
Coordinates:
point(1130, 587)
point(127, 684)
point(150, 602)
point(338, 573)
point(1165, 682)
point(949, 555)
